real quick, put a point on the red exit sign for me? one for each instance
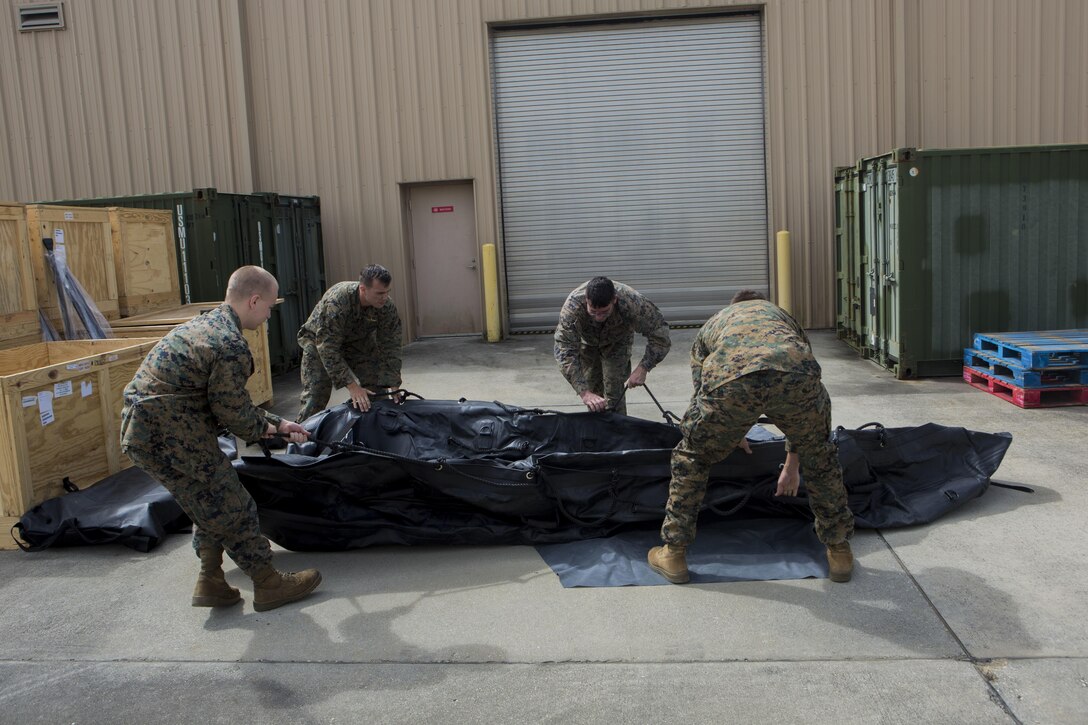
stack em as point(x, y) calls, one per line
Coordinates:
point(440, 209)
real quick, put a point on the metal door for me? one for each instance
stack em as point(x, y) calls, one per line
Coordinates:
point(633, 150)
point(445, 259)
point(873, 219)
point(889, 271)
point(848, 257)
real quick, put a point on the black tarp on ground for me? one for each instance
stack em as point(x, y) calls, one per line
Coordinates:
point(469, 472)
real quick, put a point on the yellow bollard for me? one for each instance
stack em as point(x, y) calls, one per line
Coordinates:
point(784, 298)
point(491, 293)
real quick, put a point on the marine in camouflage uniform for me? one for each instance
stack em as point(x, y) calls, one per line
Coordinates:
point(753, 358)
point(189, 387)
point(349, 341)
point(594, 355)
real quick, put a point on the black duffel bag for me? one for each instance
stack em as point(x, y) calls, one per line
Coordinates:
point(128, 507)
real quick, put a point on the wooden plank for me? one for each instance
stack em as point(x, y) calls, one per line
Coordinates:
point(18, 299)
point(70, 423)
point(10, 342)
point(7, 543)
point(89, 244)
point(28, 357)
point(145, 258)
point(170, 317)
point(15, 477)
point(173, 316)
point(71, 445)
point(259, 384)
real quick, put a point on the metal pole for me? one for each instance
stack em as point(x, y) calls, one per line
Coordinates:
point(491, 293)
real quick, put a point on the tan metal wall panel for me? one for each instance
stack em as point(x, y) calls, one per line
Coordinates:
point(998, 72)
point(132, 97)
point(349, 99)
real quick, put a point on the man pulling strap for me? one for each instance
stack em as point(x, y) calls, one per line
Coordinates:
point(192, 385)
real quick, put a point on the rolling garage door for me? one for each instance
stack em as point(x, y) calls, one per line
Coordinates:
point(634, 151)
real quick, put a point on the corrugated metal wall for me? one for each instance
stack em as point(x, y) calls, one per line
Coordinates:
point(132, 98)
point(348, 99)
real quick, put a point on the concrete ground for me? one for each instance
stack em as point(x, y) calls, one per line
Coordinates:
point(979, 617)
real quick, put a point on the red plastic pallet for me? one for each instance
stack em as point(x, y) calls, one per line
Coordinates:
point(1027, 397)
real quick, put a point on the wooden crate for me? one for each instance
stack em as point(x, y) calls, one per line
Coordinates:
point(89, 243)
point(157, 324)
point(18, 298)
point(145, 259)
point(60, 416)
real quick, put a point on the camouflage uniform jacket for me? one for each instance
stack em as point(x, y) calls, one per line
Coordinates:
point(194, 381)
point(633, 313)
point(344, 331)
point(746, 337)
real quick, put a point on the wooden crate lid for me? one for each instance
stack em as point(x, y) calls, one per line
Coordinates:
point(124, 213)
point(54, 361)
point(170, 316)
point(47, 213)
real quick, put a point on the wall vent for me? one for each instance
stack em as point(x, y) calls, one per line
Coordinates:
point(41, 16)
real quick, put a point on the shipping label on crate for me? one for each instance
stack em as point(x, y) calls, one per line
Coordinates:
point(86, 388)
point(59, 251)
point(45, 407)
point(61, 390)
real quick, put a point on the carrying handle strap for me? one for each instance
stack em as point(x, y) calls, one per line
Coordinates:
point(582, 522)
point(106, 539)
point(19, 542)
point(398, 394)
point(1013, 486)
point(743, 497)
point(335, 446)
point(881, 431)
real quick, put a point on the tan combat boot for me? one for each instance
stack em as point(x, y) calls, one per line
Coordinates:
point(273, 589)
point(212, 589)
point(670, 561)
point(840, 561)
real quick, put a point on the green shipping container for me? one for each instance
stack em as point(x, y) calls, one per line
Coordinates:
point(219, 232)
point(959, 241)
point(285, 239)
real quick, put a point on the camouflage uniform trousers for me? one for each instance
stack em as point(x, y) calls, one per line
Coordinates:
point(317, 385)
point(205, 485)
point(714, 425)
point(606, 369)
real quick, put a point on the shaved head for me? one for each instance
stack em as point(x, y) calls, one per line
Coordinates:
point(250, 280)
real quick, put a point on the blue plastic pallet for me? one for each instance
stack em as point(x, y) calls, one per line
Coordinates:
point(1016, 374)
point(1042, 349)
